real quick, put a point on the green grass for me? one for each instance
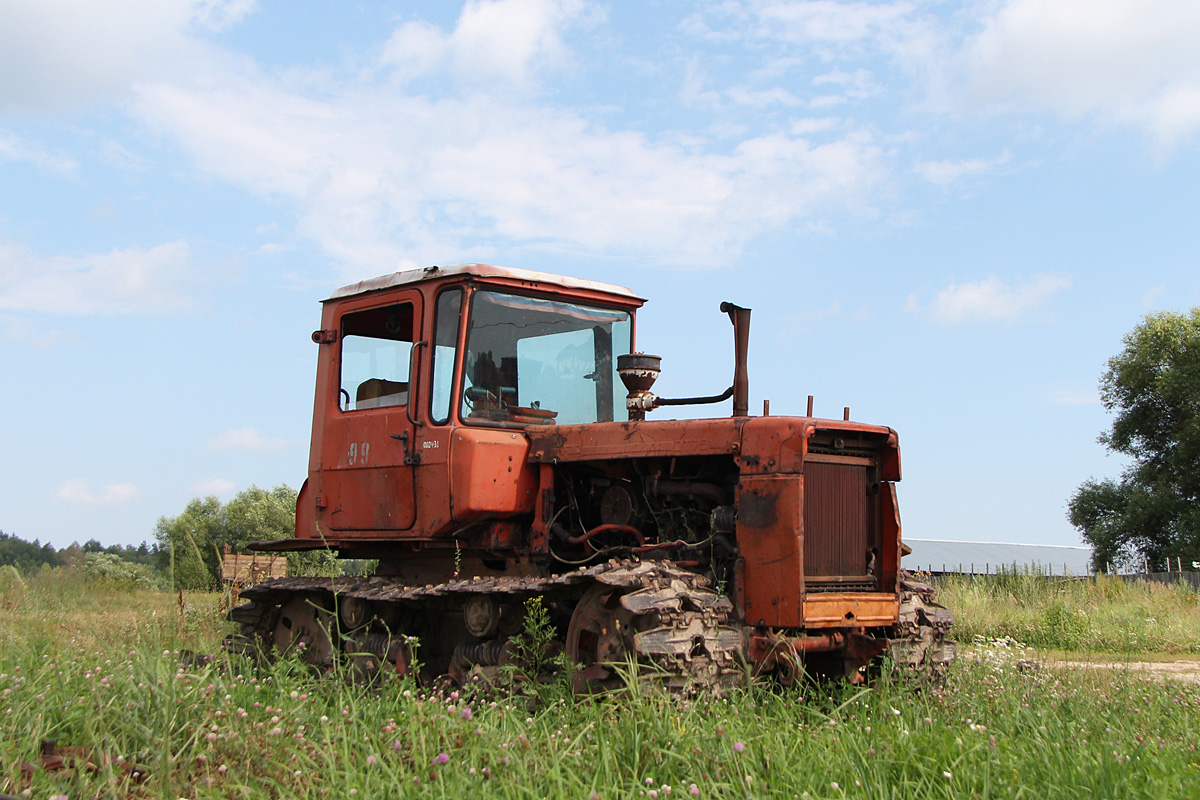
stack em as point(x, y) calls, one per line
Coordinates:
point(110, 684)
point(1105, 615)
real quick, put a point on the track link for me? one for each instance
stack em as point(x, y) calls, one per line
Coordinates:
point(651, 613)
point(670, 619)
point(677, 625)
point(919, 641)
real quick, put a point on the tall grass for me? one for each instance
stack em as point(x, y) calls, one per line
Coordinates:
point(59, 606)
point(1103, 615)
point(110, 684)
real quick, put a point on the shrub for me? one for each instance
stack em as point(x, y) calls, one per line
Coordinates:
point(106, 566)
point(12, 585)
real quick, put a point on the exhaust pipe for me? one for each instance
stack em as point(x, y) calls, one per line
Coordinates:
point(638, 371)
point(740, 317)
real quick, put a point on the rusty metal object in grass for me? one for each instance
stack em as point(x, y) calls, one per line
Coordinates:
point(56, 758)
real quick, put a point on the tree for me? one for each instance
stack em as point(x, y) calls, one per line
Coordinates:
point(26, 556)
point(256, 515)
point(185, 540)
point(200, 534)
point(1152, 387)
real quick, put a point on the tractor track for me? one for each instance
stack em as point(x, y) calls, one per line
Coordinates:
point(664, 618)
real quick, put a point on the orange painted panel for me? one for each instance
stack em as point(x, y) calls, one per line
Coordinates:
point(489, 473)
point(850, 610)
point(770, 540)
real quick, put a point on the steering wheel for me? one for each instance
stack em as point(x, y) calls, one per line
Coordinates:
point(345, 394)
point(475, 394)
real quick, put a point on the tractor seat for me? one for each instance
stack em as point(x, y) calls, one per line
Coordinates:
point(377, 392)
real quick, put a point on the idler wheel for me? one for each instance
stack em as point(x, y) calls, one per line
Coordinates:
point(481, 615)
point(599, 639)
point(353, 612)
point(303, 627)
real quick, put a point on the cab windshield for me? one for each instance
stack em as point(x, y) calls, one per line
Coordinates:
point(531, 360)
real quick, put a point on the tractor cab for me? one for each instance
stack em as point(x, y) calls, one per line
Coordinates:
point(406, 359)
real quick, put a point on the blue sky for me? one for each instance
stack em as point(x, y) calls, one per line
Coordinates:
point(945, 215)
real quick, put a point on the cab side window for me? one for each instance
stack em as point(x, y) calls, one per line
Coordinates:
point(445, 338)
point(376, 354)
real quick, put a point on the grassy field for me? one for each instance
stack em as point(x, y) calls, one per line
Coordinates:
point(96, 668)
point(1104, 615)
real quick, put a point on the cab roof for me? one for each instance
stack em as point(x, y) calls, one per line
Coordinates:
point(483, 271)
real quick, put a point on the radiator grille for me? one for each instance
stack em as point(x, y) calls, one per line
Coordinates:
point(841, 586)
point(837, 520)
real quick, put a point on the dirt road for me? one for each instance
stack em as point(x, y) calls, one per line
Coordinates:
point(1187, 671)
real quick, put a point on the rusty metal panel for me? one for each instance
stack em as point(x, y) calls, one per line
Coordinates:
point(837, 518)
point(889, 539)
point(369, 498)
point(768, 533)
point(848, 610)
point(555, 443)
point(489, 473)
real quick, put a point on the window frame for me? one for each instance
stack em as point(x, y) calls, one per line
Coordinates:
point(413, 303)
point(467, 326)
point(464, 296)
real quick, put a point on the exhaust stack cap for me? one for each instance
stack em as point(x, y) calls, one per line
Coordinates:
point(638, 371)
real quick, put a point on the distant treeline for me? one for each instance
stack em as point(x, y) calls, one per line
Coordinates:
point(186, 553)
point(28, 556)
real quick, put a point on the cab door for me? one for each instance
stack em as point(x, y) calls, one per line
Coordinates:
point(367, 453)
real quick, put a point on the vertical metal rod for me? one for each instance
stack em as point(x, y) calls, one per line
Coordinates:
point(810, 399)
point(846, 413)
point(740, 317)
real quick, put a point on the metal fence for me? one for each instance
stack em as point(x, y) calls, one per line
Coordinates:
point(1191, 578)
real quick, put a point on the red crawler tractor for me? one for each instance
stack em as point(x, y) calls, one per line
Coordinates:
point(482, 432)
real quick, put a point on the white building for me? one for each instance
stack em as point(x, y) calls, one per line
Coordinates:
point(945, 556)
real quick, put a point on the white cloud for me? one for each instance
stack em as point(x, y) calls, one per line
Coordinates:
point(945, 173)
point(1073, 394)
point(20, 330)
point(812, 314)
point(1130, 61)
point(219, 15)
point(213, 486)
point(246, 439)
point(762, 98)
point(1118, 62)
point(14, 148)
point(1151, 298)
point(788, 35)
point(117, 155)
point(78, 492)
point(493, 40)
point(381, 179)
point(816, 21)
point(990, 300)
point(133, 280)
point(859, 83)
point(60, 52)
